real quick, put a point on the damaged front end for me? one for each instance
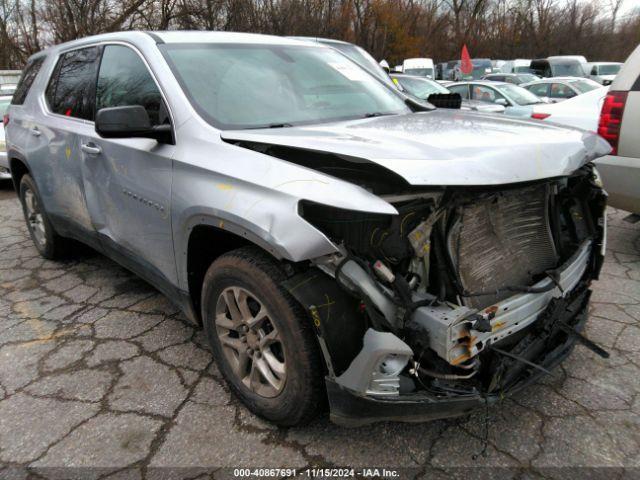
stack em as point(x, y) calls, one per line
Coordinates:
point(468, 294)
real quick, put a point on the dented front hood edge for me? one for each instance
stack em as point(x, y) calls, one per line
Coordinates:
point(446, 147)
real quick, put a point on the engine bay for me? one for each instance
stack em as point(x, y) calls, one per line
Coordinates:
point(459, 277)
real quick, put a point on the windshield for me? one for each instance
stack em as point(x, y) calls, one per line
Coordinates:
point(522, 70)
point(519, 95)
point(4, 105)
point(420, 72)
point(568, 69)
point(361, 57)
point(584, 86)
point(421, 87)
point(237, 86)
point(608, 69)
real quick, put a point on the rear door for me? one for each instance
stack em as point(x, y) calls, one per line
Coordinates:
point(64, 113)
point(128, 181)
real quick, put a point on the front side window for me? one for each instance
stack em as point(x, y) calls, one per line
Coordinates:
point(560, 90)
point(124, 80)
point(26, 80)
point(238, 86)
point(71, 86)
point(486, 94)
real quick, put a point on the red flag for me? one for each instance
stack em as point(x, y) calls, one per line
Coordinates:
point(466, 67)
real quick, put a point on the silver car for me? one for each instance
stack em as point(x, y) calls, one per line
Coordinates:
point(517, 101)
point(334, 243)
point(5, 174)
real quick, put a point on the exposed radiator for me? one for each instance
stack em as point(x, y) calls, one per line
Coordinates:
point(502, 240)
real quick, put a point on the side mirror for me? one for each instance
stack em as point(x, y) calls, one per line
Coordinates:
point(130, 122)
point(501, 101)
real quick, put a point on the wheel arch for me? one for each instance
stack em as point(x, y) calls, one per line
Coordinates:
point(206, 239)
point(19, 168)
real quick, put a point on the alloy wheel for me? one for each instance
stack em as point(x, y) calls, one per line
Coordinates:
point(35, 221)
point(250, 341)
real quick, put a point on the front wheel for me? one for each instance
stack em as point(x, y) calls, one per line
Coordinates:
point(261, 340)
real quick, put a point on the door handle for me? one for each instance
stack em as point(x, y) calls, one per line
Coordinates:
point(91, 148)
point(35, 132)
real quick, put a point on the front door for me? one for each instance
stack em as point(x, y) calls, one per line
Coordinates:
point(128, 181)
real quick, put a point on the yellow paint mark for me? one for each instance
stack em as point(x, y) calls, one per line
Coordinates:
point(224, 186)
point(497, 326)
point(67, 152)
point(53, 336)
point(315, 315)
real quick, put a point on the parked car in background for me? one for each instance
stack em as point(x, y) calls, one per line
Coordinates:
point(515, 78)
point(5, 174)
point(497, 65)
point(557, 67)
point(422, 88)
point(618, 124)
point(287, 200)
point(517, 101)
point(582, 111)
point(603, 72)
point(560, 88)
point(9, 76)
point(421, 67)
point(519, 65)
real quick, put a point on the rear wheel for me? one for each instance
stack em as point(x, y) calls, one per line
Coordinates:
point(262, 342)
point(48, 243)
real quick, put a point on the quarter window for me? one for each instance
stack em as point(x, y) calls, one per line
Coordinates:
point(26, 80)
point(124, 80)
point(71, 87)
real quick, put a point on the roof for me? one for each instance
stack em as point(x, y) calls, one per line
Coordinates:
point(318, 40)
point(178, 36)
point(557, 79)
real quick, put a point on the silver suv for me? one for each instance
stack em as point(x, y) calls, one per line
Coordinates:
point(334, 242)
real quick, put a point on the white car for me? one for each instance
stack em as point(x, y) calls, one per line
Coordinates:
point(603, 72)
point(618, 124)
point(5, 101)
point(558, 89)
point(582, 111)
point(421, 67)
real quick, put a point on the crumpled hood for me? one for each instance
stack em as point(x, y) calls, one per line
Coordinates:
point(446, 147)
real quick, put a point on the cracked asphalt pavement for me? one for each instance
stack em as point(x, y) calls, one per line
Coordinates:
point(100, 376)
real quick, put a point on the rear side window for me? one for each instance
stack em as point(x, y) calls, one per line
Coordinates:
point(124, 80)
point(26, 80)
point(463, 90)
point(540, 89)
point(70, 90)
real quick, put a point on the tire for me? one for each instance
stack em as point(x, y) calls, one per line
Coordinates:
point(292, 390)
point(48, 243)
